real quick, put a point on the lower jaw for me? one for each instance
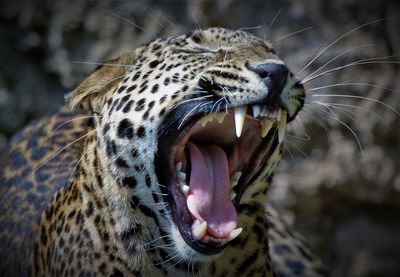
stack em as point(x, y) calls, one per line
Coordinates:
point(188, 253)
point(200, 250)
point(183, 222)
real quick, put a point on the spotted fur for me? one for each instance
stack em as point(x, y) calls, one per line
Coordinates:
point(84, 199)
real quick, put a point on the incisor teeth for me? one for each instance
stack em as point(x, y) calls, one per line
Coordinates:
point(199, 231)
point(206, 119)
point(265, 127)
point(256, 110)
point(220, 117)
point(233, 183)
point(178, 167)
point(240, 114)
point(235, 178)
point(234, 234)
point(282, 127)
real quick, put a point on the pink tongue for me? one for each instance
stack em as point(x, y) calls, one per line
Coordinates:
point(209, 196)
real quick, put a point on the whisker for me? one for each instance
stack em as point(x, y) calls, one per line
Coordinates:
point(351, 130)
point(59, 151)
point(151, 13)
point(361, 62)
point(68, 121)
point(163, 17)
point(249, 28)
point(196, 22)
point(359, 97)
point(337, 57)
point(187, 115)
point(180, 260)
point(275, 17)
point(106, 64)
point(288, 150)
point(320, 122)
point(306, 138)
point(294, 33)
point(297, 148)
point(154, 240)
point(352, 84)
point(334, 116)
point(200, 98)
point(74, 169)
point(340, 106)
point(118, 16)
point(345, 66)
point(323, 51)
point(164, 246)
point(172, 256)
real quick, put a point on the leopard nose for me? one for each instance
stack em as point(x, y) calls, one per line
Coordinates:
point(277, 73)
point(274, 76)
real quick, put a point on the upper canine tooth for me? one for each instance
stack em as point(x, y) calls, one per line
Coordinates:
point(234, 234)
point(256, 110)
point(199, 231)
point(265, 127)
point(220, 117)
point(282, 126)
point(240, 114)
point(279, 115)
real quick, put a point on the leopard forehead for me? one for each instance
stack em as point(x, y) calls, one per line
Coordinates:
point(165, 72)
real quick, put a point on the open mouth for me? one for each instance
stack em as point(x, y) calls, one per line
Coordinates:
point(206, 165)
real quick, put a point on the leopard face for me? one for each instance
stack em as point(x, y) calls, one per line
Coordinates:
point(192, 127)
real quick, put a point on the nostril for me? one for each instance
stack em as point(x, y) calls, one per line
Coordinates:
point(277, 72)
point(262, 70)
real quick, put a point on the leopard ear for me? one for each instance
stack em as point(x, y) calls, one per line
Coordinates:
point(90, 95)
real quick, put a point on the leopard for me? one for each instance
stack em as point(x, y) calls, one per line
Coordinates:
point(159, 164)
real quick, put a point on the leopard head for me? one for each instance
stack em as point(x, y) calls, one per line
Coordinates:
point(191, 127)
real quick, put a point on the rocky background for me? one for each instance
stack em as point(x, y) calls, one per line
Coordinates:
point(339, 184)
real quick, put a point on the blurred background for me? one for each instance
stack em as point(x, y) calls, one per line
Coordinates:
point(339, 184)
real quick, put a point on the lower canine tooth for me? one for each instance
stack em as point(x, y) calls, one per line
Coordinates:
point(266, 126)
point(199, 231)
point(234, 234)
point(185, 189)
point(282, 127)
point(240, 114)
point(233, 195)
point(182, 176)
